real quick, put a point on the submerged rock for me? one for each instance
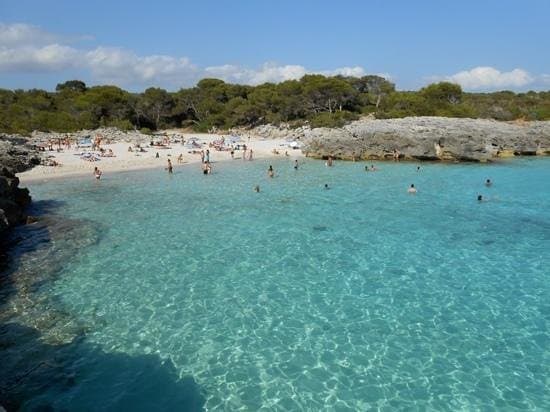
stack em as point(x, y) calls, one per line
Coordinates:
point(429, 138)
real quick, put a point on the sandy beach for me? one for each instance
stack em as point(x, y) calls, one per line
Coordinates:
point(71, 162)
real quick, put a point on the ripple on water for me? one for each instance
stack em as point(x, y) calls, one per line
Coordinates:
point(302, 298)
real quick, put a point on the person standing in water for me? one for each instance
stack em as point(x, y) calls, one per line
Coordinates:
point(97, 173)
point(296, 164)
point(169, 168)
point(412, 189)
point(488, 183)
point(270, 171)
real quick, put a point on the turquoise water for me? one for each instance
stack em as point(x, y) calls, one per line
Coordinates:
point(301, 298)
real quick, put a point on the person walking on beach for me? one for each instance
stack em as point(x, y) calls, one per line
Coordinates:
point(97, 173)
point(169, 168)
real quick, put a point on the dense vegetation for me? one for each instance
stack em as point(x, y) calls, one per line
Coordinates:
point(211, 104)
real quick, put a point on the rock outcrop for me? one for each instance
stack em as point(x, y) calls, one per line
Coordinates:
point(429, 138)
point(15, 157)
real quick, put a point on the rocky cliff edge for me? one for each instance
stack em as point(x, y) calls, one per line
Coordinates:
point(429, 138)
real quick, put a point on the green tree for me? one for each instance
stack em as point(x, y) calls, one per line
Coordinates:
point(71, 85)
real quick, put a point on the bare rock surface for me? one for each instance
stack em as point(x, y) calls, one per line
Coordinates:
point(429, 138)
point(15, 157)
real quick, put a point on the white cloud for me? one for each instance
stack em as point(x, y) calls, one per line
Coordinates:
point(124, 67)
point(29, 49)
point(38, 59)
point(491, 78)
point(345, 71)
point(267, 73)
point(272, 73)
point(19, 34)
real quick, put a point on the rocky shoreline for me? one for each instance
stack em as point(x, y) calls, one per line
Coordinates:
point(424, 138)
point(15, 157)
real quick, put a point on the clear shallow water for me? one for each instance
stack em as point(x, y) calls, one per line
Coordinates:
point(300, 298)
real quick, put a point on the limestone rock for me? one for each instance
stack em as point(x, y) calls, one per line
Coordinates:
point(429, 138)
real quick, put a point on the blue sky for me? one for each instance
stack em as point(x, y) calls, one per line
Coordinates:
point(482, 45)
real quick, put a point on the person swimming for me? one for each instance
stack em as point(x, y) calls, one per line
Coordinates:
point(412, 189)
point(270, 171)
point(257, 188)
point(326, 186)
point(488, 183)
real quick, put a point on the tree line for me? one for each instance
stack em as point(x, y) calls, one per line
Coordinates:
point(215, 105)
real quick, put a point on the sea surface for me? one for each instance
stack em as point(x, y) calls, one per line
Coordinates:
point(145, 291)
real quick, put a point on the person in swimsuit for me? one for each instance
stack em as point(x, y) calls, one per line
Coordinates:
point(97, 173)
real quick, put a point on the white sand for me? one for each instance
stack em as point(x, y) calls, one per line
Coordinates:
point(72, 165)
